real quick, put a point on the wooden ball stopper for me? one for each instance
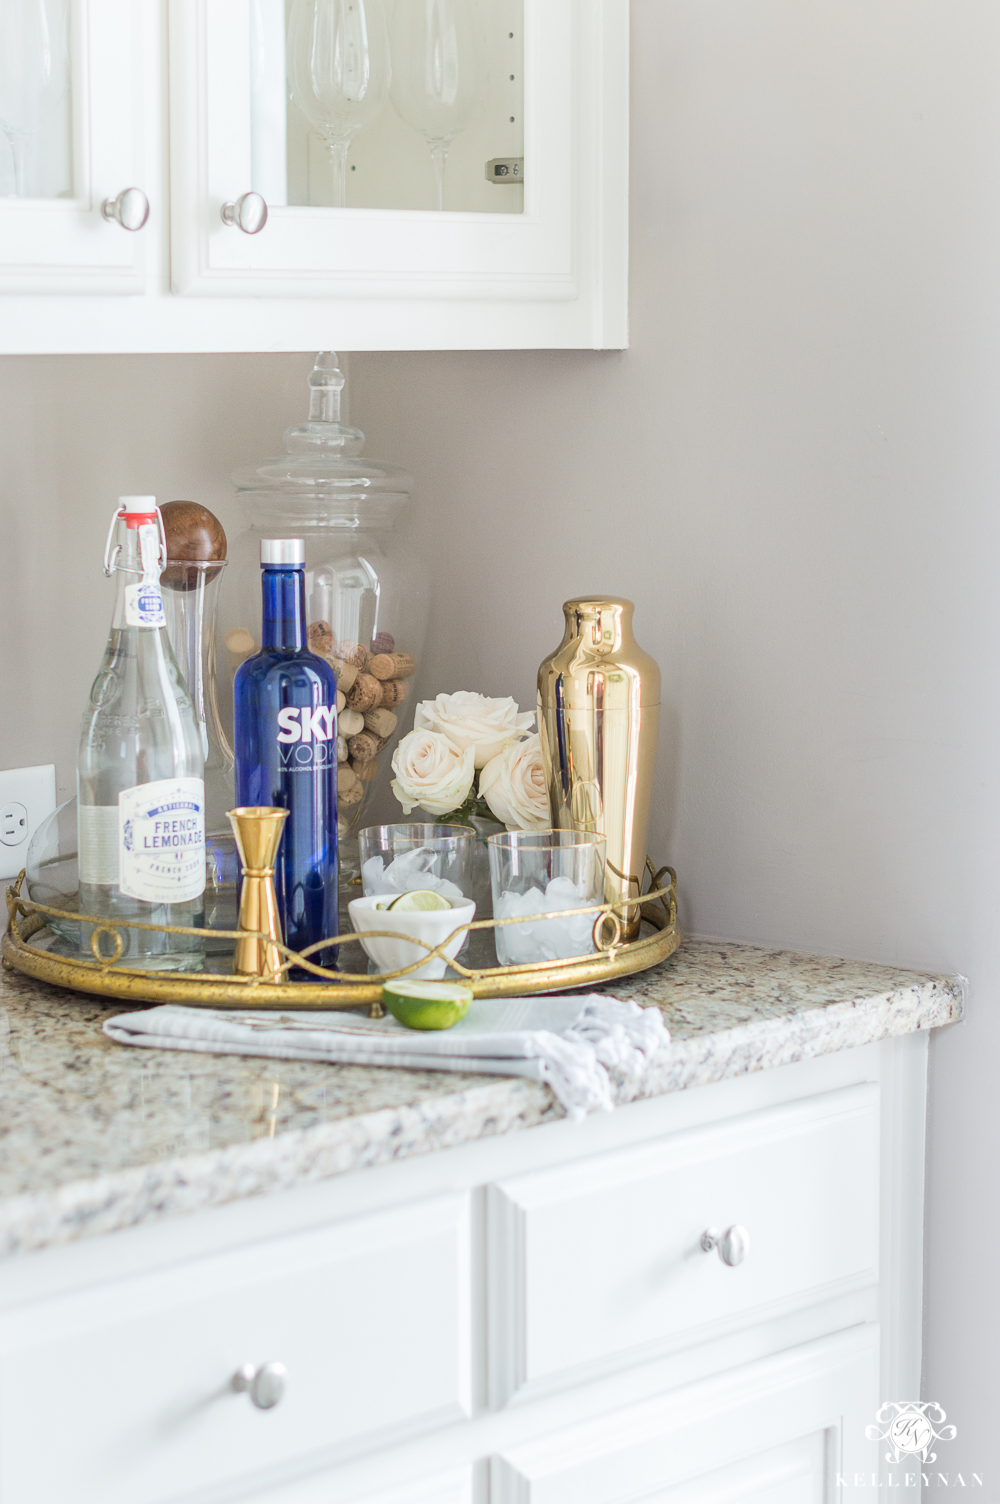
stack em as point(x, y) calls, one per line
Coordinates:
point(193, 533)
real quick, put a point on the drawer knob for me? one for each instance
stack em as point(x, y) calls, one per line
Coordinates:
point(733, 1244)
point(130, 209)
point(265, 1385)
point(248, 214)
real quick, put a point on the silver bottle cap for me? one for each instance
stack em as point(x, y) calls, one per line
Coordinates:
point(282, 551)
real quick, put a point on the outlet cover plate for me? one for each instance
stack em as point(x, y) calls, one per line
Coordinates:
point(35, 788)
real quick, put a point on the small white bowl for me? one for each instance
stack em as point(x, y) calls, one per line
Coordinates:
point(433, 926)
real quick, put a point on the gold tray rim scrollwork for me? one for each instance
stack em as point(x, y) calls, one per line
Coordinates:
point(105, 977)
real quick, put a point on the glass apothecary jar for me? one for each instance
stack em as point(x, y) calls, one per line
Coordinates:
point(366, 593)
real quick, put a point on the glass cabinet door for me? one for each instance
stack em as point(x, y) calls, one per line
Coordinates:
point(70, 84)
point(398, 152)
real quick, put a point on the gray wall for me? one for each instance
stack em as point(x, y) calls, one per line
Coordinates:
point(793, 472)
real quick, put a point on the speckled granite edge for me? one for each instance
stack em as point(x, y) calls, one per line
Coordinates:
point(190, 1183)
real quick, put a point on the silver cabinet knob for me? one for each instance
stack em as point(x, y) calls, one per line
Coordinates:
point(733, 1244)
point(265, 1385)
point(130, 209)
point(248, 214)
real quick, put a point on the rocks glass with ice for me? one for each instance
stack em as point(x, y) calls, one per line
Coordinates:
point(403, 858)
point(556, 872)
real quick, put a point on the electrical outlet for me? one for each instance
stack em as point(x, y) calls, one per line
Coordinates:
point(27, 797)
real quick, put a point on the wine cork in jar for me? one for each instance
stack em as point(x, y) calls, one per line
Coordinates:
point(240, 645)
point(367, 771)
point(320, 638)
point(353, 652)
point(392, 665)
point(365, 693)
point(362, 747)
point(350, 722)
point(382, 722)
point(383, 642)
point(341, 748)
point(346, 673)
point(349, 788)
point(341, 701)
point(394, 692)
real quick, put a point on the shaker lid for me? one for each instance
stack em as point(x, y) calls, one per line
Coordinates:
point(322, 459)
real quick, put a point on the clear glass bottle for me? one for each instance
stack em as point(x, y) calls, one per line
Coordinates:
point(140, 766)
point(366, 587)
point(286, 749)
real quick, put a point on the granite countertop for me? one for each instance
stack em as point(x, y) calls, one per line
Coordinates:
point(96, 1136)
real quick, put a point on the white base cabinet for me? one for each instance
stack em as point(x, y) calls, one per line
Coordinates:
point(532, 1319)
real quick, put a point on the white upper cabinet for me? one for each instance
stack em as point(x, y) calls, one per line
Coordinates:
point(71, 134)
point(361, 174)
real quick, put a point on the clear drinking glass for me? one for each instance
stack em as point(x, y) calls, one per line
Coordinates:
point(437, 73)
point(34, 83)
point(338, 73)
point(544, 872)
point(402, 858)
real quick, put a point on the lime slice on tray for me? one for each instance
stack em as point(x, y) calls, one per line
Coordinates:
point(426, 1005)
point(421, 901)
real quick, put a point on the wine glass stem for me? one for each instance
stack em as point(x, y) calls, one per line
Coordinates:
point(338, 157)
point(18, 148)
point(439, 156)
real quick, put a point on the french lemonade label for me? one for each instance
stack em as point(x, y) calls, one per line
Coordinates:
point(144, 605)
point(161, 840)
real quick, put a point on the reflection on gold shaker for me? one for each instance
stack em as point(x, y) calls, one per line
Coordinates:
point(598, 715)
point(258, 836)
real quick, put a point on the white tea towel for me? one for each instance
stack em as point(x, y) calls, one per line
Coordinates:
point(568, 1042)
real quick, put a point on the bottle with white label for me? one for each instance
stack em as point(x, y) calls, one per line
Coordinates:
point(285, 722)
point(140, 767)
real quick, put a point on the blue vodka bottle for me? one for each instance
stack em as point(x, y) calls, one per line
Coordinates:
point(285, 721)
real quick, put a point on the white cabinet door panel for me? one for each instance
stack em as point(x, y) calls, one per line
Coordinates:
point(304, 251)
point(370, 1318)
point(601, 1262)
point(64, 244)
point(777, 1432)
point(567, 247)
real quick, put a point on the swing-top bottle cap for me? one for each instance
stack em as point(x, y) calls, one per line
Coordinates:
point(138, 507)
point(282, 551)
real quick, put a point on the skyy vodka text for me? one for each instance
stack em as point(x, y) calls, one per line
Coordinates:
point(140, 788)
point(285, 720)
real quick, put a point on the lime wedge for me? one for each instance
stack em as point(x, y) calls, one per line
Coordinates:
point(421, 901)
point(426, 1005)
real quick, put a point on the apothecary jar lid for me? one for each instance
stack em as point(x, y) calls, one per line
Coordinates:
point(321, 475)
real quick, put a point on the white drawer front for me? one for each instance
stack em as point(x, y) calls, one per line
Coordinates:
point(600, 1262)
point(776, 1432)
point(122, 1395)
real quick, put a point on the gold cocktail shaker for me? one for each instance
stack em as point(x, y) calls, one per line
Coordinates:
point(599, 716)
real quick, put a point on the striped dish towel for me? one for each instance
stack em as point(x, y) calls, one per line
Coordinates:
point(570, 1043)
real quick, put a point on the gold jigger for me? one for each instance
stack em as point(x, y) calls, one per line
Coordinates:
point(258, 835)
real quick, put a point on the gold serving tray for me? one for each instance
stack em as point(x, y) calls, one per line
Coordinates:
point(105, 977)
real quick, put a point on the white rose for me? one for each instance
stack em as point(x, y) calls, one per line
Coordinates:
point(432, 772)
point(471, 720)
point(513, 785)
